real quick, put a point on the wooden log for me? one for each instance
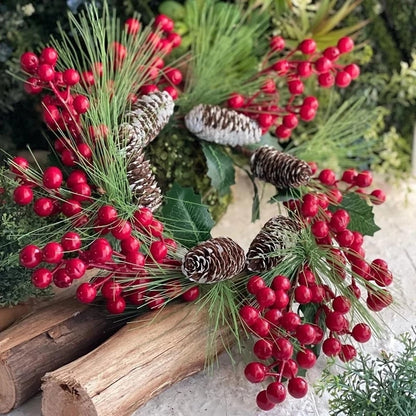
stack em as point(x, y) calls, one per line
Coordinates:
point(11, 314)
point(135, 364)
point(43, 341)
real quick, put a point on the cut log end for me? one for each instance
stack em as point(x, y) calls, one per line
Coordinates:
point(66, 399)
point(7, 390)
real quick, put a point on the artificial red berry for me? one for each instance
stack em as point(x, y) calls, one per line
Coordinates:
point(101, 250)
point(378, 197)
point(86, 293)
point(29, 62)
point(307, 113)
point(121, 230)
point(46, 72)
point(281, 282)
point(307, 46)
point(52, 177)
point(30, 256)
point(173, 75)
point(310, 205)
point(70, 77)
point(297, 387)
point(290, 121)
point(263, 401)
point(236, 100)
point(172, 91)
point(132, 26)
point(277, 43)
point(282, 349)
point(261, 328)
point(249, 315)
point(304, 69)
point(164, 23)
point(326, 80)
point(71, 241)
point(306, 334)
point(265, 120)
point(311, 101)
point(156, 228)
point(341, 304)
point(353, 70)
point(331, 347)
point(349, 175)
point(282, 299)
point(347, 353)
point(68, 157)
point(263, 349)
point(364, 179)
point(281, 67)
point(23, 195)
point(148, 88)
point(339, 221)
point(71, 207)
point(81, 104)
point(276, 392)
point(111, 290)
point(265, 297)
point(136, 297)
point(361, 332)
point(296, 87)
point(43, 207)
point(158, 250)
point(320, 229)
point(283, 132)
point(332, 53)
point(343, 79)
point(129, 244)
point(53, 252)
point(303, 294)
point(254, 284)
point(116, 306)
point(84, 151)
point(290, 321)
point(191, 294)
point(106, 215)
point(136, 258)
point(33, 86)
point(318, 294)
point(19, 164)
point(42, 278)
point(323, 65)
point(268, 86)
point(62, 279)
point(272, 316)
point(306, 358)
point(75, 268)
point(175, 39)
point(87, 79)
point(335, 321)
point(345, 44)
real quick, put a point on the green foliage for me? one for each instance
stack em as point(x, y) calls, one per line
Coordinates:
point(186, 217)
point(375, 386)
point(361, 214)
point(220, 167)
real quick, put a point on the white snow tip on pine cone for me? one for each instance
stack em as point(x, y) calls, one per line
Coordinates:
point(222, 126)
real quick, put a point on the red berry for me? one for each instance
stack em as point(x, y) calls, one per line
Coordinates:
point(361, 332)
point(296, 87)
point(52, 177)
point(306, 334)
point(173, 75)
point(71, 241)
point(310, 206)
point(254, 284)
point(307, 46)
point(86, 293)
point(129, 244)
point(30, 256)
point(339, 221)
point(87, 79)
point(111, 290)
point(158, 251)
point(297, 387)
point(311, 101)
point(276, 392)
point(281, 282)
point(70, 77)
point(46, 72)
point(164, 23)
point(345, 238)
point(121, 230)
point(261, 328)
point(290, 321)
point(277, 43)
point(349, 176)
point(53, 252)
point(343, 79)
point(281, 67)
point(249, 315)
point(265, 120)
point(353, 70)
point(364, 179)
point(43, 207)
point(23, 195)
point(272, 316)
point(132, 26)
point(323, 65)
point(332, 53)
point(265, 297)
point(148, 89)
point(136, 258)
point(282, 349)
point(378, 197)
point(71, 207)
point(84, 151)
point(19, 164)
point(136, 297)
point(68, 157)
point(235, 101)
point(42, 278)
point(307, 113)
point(335, 321)
point(345, 44)
point(101, 250)
point(116, 306)
point(172, 91)
point(156, 228)
point(318, 294)
point(290, 121)
point(347, 353)
point(320, 229)
point(75, 268)
point(326, 80)
point(331, 347)
point(81, 104)
point(263, 401)
point(33, 86)
point(191, 294)
point(263, 349)
point(106, 215)
point(341, 304)
point(29, 62)
point(282, 299)
point(303, 294)
point(283, 132)
point(304, 69)
point(61, 279)
point(306, 358)
point(268, 86)
point(143, 217)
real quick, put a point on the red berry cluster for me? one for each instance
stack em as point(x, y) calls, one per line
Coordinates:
point(62, 107)
point(264, 107)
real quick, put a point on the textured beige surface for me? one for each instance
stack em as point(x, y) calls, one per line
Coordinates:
point(226, 392)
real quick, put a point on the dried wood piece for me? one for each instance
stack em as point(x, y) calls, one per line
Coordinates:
point(43, 341)
point(135, 364)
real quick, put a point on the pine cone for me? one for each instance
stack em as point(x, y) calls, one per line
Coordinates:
point(145, 120)
point(213, 260)
point(276, 234)
point(278, 168)
point(222, 126)
point(143, 183)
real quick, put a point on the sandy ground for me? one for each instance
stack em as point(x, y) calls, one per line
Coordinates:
point(226, 392)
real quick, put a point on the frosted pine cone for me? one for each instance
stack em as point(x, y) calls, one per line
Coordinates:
point(222, 126)
point(213, 260)
point(143, 183)
point(276, 234)
point(145, 120)
point(280, 169)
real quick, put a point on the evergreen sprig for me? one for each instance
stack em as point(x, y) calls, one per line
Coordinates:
point(375, 386)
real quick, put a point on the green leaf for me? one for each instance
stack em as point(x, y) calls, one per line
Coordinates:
point(220, 167)
point(186, 217)
point(266, 140)
point(361, 214)
point(285, 195)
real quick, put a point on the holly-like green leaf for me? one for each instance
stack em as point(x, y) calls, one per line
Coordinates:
point(285, 195)
point(361, 214)
point(186, 217)
point(220, 167)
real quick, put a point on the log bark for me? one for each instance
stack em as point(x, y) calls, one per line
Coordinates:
point(43, 341)
point(135, 364)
